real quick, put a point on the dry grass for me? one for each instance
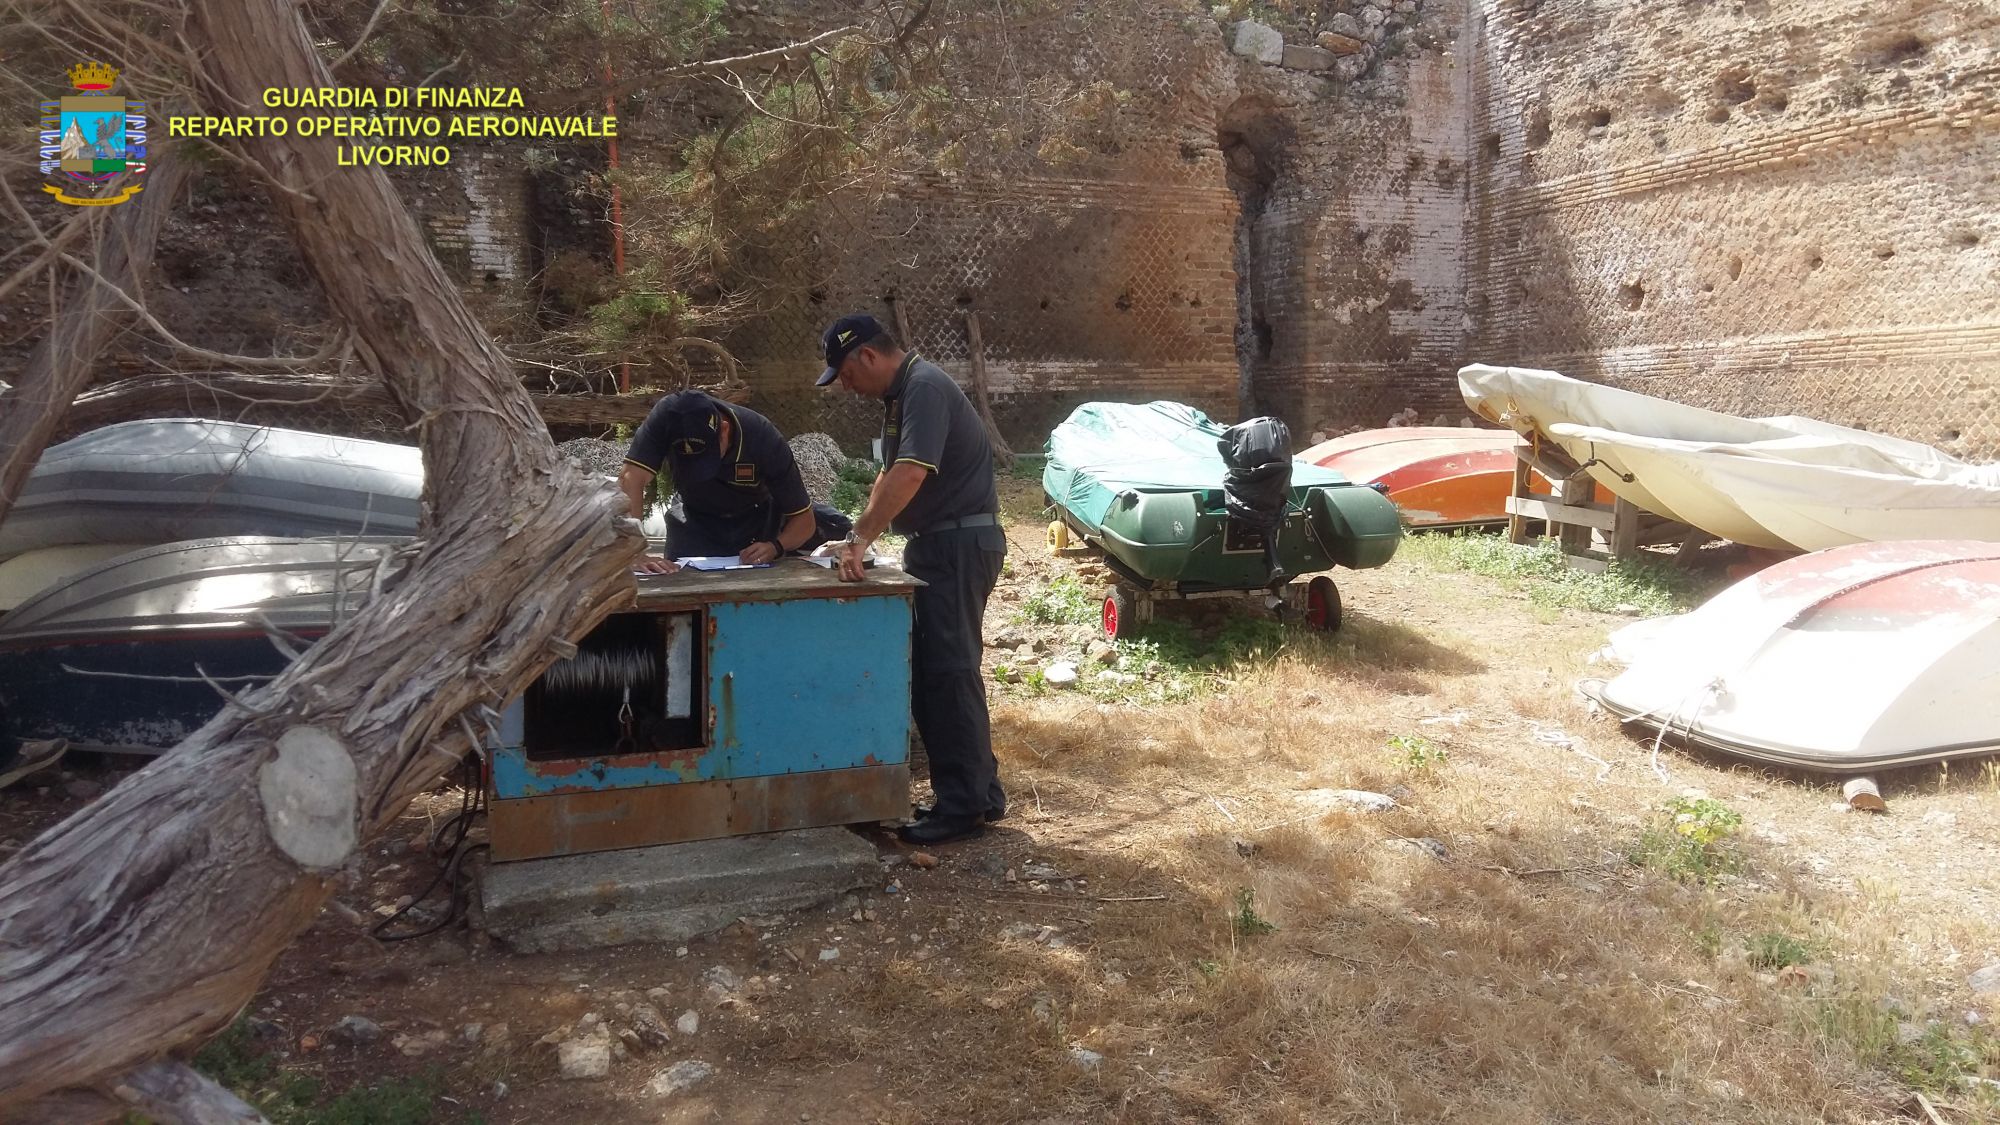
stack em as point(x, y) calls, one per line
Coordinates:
point(1536, 974)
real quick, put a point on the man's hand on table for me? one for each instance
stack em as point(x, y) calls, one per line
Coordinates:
point(655, 564)
point(759, 552)
point(853, 555)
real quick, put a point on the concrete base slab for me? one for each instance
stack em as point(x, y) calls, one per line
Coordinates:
point(671, 892)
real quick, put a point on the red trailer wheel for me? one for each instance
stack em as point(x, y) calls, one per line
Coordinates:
point(1120, 614)
point(1322, 604)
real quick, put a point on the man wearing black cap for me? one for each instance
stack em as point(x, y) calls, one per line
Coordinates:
point(741, 492)
point(936, 486)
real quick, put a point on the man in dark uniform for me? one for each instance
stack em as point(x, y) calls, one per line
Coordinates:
point(936, 486)
point(741, 493)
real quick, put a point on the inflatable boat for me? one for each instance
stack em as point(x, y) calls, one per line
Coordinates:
point(1144, 484)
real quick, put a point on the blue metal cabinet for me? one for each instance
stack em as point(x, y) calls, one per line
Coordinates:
point(802, 718)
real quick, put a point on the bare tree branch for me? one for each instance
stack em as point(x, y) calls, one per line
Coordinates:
point(366, 30)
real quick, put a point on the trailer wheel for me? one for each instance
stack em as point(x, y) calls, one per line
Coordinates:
point(1322, 604)
point(1121, 614)
point(1058, 536)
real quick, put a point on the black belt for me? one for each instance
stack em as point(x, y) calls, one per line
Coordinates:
point(984, 519)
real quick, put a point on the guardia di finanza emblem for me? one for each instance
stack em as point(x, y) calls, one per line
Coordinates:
point(93, 143)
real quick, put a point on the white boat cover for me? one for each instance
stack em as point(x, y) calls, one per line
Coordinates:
point(165, 480)
point(1845, 660)
point(1784, 482)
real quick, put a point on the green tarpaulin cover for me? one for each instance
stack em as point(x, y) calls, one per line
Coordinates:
point(1106, 448)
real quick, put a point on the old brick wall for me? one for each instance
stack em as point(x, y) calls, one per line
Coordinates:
point(1356, 265)
point(1785, 206)
point(1080, 211)
point(1105, 264)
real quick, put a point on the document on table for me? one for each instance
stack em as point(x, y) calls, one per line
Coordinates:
point(719, 562)
point(831, 563)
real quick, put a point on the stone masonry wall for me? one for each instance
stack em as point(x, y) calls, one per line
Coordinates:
point(1105, 264)
point(1784, 206)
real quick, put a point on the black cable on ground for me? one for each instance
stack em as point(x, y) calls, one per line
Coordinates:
point(452, 857)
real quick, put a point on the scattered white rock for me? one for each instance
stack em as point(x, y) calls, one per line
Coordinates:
point(1060, 674)
point(650, 1026)
point(1258, 42)
point(1341, 23)
point(1085, 1058)
point(1359, 799)
point(1101, 652)
point(1986, 981)
point(689, 1023)
point(721, 985)
point(680, 1077)
point(1307, 58)
point(356, 1029)
point(829, 954)
point(585, 1059)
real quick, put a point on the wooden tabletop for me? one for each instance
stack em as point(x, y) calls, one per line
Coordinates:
point(787, 578)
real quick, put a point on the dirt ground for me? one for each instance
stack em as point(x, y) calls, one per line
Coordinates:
point(1183, 921)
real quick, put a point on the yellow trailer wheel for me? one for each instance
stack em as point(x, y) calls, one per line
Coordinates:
point(1058, 536)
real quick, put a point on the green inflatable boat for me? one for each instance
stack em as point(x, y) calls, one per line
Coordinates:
point(1144, 485)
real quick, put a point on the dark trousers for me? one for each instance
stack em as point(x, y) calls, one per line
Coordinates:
point(947, 693)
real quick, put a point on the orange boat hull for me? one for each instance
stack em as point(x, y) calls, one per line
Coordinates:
point(1437, 476)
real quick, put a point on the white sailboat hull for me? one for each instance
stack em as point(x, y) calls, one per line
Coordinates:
point(1782, 483)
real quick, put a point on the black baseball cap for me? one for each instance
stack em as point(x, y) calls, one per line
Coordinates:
point(694, 436)
point(842, 337)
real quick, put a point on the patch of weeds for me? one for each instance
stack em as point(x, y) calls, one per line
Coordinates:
point(287, 1097)
point(1708, 940)
point(1651, 587)
point(851, 485)
point(1776, 951)
point(1027, 466)
point(1064, 601)
point(1938, 1057)
point(1208, 968)
point(1692, 844)
point(405, 1101)
point(1415, 752)
point(1005, 673)
point(1246, 921)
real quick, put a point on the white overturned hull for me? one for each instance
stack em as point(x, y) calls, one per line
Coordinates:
point(1863, 657)
point(1782, 483)
point(174, 479)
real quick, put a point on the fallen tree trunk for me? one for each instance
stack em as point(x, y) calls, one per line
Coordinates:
point(88, 320)
point(146, 921)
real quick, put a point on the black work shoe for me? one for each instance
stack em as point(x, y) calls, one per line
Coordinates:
point(940, 828)
point(991, 816)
